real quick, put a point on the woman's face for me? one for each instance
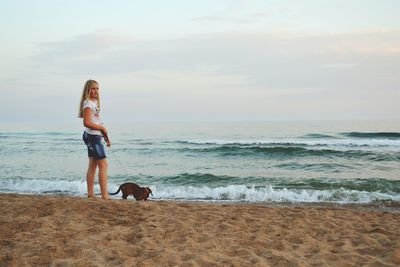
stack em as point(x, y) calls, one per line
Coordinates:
point(94, 91)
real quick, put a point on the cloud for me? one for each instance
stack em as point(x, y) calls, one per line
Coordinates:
point(239, 75)
point(260, 60)
point(338, 65)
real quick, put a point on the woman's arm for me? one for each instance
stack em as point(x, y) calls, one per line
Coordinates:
point(89, 124)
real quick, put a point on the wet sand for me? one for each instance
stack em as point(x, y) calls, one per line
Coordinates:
point(73, 231)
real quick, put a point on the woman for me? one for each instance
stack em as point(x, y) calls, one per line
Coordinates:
point(93, 136)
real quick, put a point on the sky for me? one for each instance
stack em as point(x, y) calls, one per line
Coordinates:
point(201, 60)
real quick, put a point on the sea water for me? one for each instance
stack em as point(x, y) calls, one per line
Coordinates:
point(335, 162)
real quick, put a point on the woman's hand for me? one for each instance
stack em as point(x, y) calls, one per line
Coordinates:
point(105, 135)
point(108, 142)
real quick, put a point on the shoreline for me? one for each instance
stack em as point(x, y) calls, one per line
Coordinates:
point(78, 231)
point(386, 205)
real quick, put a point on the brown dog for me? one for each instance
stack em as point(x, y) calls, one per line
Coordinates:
point(138, 192)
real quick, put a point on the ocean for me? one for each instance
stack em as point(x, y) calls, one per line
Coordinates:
point(250, 162)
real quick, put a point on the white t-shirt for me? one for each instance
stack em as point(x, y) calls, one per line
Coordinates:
point(94, 115)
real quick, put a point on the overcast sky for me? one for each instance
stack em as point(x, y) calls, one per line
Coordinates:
point(201, 60)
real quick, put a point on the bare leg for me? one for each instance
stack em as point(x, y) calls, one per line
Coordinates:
point(90, 175)
point(103, 177)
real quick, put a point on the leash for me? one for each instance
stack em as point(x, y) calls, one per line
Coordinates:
point(117, 160)
point(105, 136)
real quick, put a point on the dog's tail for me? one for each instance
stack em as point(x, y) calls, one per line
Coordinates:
point(119, 189)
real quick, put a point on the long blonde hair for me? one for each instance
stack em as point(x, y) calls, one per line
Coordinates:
point(85, 96)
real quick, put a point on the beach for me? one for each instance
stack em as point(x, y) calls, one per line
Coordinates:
point(42, 230)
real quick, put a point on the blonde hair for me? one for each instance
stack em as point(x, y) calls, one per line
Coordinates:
point(85, 96)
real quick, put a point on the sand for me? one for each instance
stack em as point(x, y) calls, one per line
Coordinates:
point(74, 231)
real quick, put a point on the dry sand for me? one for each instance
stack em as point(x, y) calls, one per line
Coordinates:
point(73, 231)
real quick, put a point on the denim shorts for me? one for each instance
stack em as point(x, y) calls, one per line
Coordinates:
point(95, 145)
